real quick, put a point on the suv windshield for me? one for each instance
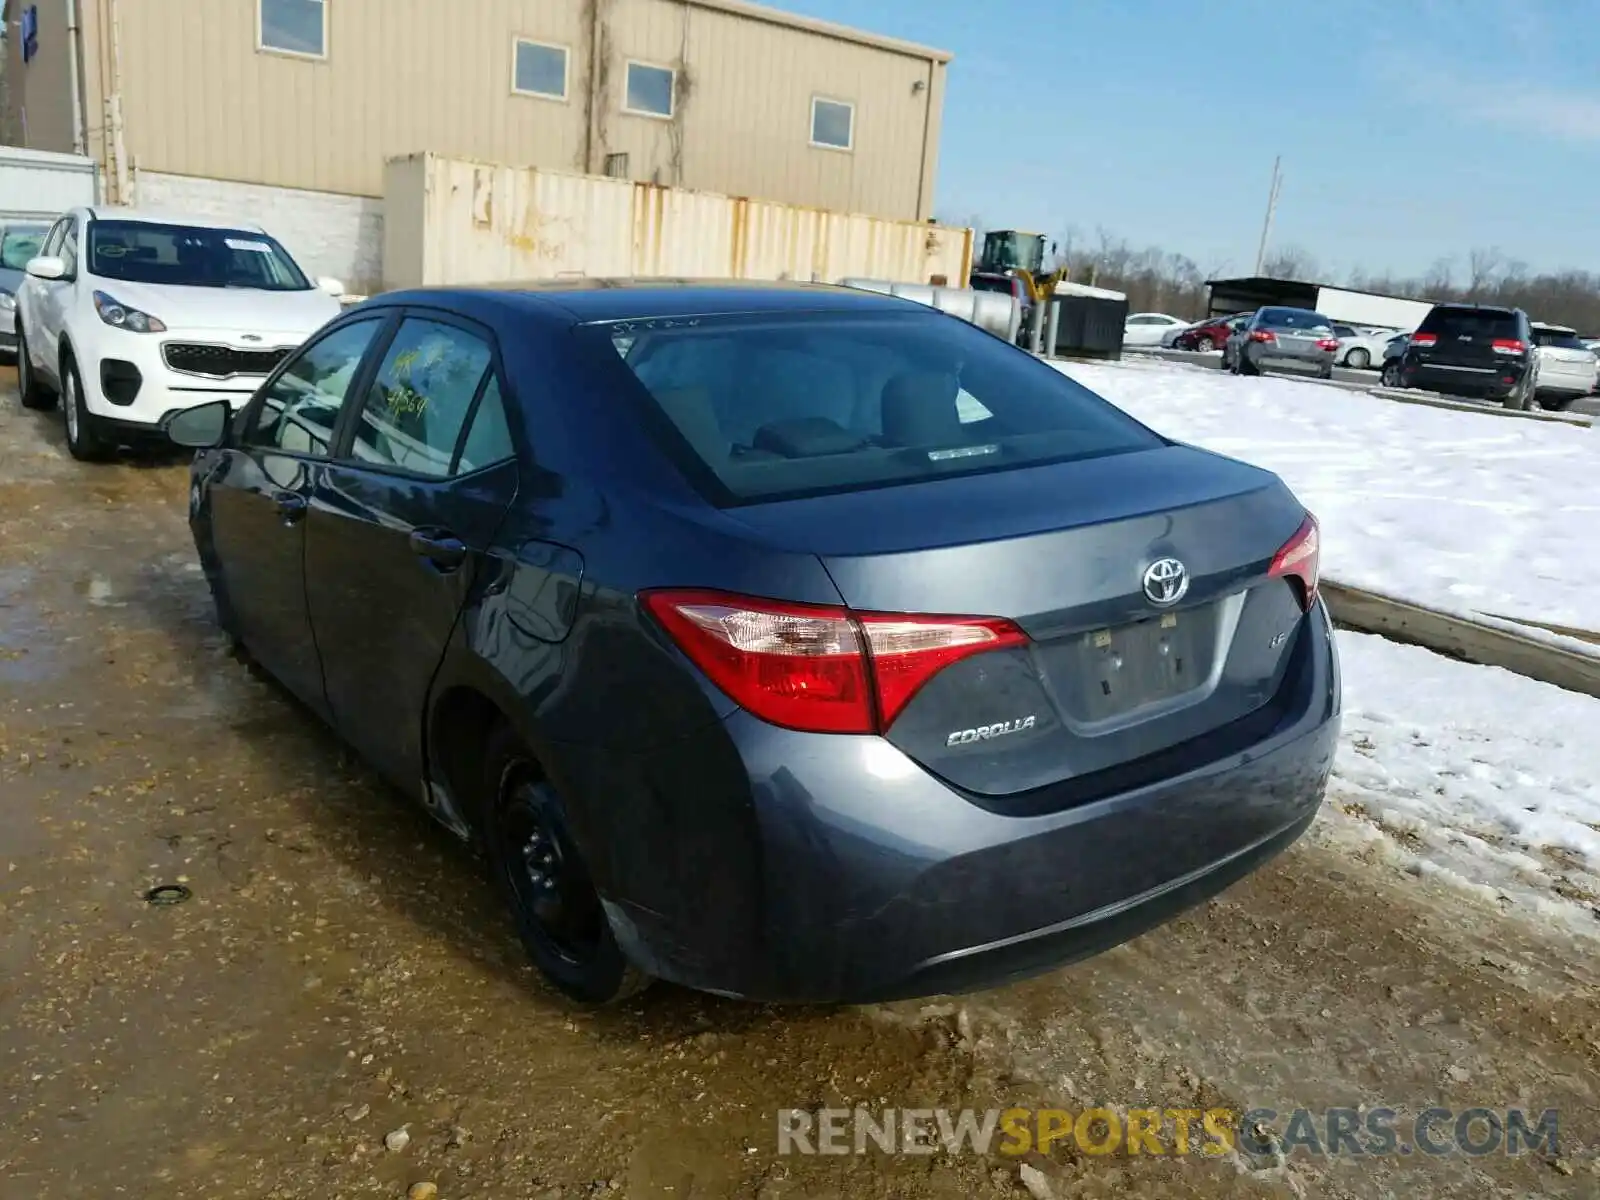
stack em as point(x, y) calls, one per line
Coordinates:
point(1471, 323)
point(1296, 318)
point(1558, 338)
point(191, 256)
point(784, 406)
point(20, 243)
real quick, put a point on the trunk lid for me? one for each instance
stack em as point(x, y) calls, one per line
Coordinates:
point(1065, 551)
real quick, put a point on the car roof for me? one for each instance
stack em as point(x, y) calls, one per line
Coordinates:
point(597, 300)
point(151, 216)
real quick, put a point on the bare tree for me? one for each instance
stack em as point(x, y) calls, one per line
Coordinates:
point(1290, 262)
point(1483, 269)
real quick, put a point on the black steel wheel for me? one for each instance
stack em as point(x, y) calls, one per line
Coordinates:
point(542, 874)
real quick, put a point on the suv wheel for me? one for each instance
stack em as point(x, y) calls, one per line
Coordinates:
point(537, 867)
point(34, 394)
point(83, 433)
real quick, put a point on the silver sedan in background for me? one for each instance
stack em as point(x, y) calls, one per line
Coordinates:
point(1294, 338)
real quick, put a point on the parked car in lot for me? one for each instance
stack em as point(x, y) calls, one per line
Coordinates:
point(19, 243)
point(128, 317)
point(771, 667)
point(1568, 369)
point(1294, 338)
point(1393, 351)
point(1147, 329)
point(1360, 348)
point(1209, 335)
point(1473, 350)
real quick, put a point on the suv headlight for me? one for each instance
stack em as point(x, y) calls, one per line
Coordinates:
point(112, 312)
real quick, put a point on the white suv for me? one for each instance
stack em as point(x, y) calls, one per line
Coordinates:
point(131, 317)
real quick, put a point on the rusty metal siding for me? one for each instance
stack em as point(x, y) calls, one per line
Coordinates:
point(403, 76)
point(483, 222)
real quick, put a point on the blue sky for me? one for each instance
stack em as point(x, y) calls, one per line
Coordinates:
point(1410, 130)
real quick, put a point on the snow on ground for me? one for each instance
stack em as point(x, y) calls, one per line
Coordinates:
point(1485, 779)
point(1457, 511)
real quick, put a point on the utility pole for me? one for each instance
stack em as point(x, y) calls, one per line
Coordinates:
point(1272, 209)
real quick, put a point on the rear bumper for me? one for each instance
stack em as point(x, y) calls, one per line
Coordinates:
point(1269, 358)
point(1497, 382)
point(758, 862)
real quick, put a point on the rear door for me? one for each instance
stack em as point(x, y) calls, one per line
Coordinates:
point(399, 527)
point(260, 494)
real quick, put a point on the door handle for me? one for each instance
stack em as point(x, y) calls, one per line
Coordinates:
point(291, 507)
point(444, 550)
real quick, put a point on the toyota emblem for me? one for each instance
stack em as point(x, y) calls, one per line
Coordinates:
point(1165, 582)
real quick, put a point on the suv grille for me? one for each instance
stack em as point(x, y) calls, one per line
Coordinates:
point(219, 362)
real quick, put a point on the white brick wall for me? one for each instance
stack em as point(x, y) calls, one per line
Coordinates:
point(327, 233)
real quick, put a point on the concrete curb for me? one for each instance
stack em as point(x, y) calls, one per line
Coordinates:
point(1460, 637)
point(1432, 400)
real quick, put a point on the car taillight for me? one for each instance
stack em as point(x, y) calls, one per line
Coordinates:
point(1509, 346)
point(1424, 339)
point(1328, 344)
point(1300, 560)
point(819, 668)
point(1262, 335)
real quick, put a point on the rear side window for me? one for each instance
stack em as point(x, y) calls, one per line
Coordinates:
point(421, 397)
point(1558, 339)
point(1296, 318)
point(1475, 323)
point(793, 405)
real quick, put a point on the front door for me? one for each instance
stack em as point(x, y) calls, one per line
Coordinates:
point(399, 526)
point(260, 495)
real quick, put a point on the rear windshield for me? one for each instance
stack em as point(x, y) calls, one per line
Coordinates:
point(1557, 338)
point(1296, 318)
point(775, 407)
point(1471, 323)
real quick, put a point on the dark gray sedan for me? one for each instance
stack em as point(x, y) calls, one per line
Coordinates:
point(787, 642)
point(1297, 339)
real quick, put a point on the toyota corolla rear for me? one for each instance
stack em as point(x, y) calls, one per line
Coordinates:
point(1003, 677)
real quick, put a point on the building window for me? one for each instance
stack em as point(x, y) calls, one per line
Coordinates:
point(293, 27)
point(650, 90)
point(833, 124)
point(540, 70)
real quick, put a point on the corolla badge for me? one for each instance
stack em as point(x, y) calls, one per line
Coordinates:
point(1165, 581)
point(983, 733)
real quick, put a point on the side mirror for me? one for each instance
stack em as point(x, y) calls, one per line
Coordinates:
point(203, 427)
point(47, 266)
point(334, 287)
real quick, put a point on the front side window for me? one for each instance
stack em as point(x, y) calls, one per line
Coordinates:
point(783, 406)
point(191, 256)
point(294, 26)
point(53, 239)
point(301, 407)
point(832, 124)
point(421, 398)
point(540, 70)
point(650, 90)
point(69, 247)
point(20, 244)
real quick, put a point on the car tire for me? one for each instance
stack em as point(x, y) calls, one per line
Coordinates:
point(29, 386)
point(1245, 366)
point(1326, 372)
point(84, 442)
point(537, 868)
point(1556, 403)
point(1391, 375)
point(1204, 345)
point(1358, 359)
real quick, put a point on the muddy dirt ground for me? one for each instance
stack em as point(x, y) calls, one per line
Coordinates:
point(341, 971)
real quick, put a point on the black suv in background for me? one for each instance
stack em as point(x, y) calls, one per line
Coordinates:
point(1473, 350)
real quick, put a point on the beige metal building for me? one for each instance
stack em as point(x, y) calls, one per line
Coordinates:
point(215, 103)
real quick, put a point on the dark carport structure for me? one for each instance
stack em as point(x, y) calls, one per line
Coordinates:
point(1229, 296)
